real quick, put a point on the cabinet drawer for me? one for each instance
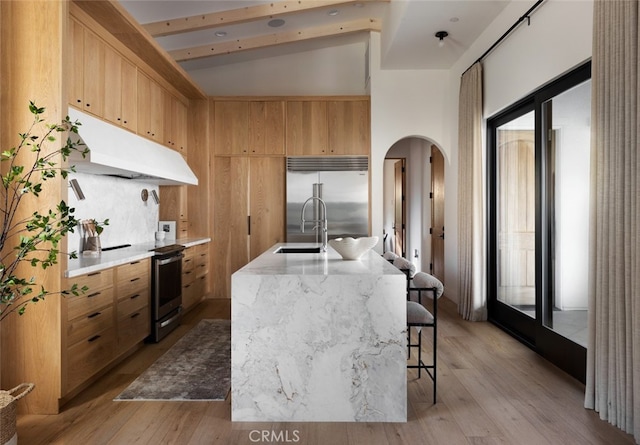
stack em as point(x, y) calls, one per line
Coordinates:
point(132, 303)
point(188, 264)
point(134, 270)
point(94, 281)
point(192, 293)
point(89, 302)
point(134, 328)
point(88, 326)
point(132, 286)
point(188, 277)
point(89, 356)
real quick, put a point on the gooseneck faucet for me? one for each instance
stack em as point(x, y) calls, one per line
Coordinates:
point(323, 221)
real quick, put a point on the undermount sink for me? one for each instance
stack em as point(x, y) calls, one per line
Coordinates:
point(299, 250)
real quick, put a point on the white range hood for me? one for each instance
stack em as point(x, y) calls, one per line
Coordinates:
point(117, 152)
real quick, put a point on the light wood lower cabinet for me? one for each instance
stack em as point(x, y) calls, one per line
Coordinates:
point(195, 268)
point(90, 328)
point(105, 322)
point(133, 283)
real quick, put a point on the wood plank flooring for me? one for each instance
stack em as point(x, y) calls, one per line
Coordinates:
point(491, 390)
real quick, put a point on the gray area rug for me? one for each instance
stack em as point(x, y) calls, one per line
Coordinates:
point(196, 367)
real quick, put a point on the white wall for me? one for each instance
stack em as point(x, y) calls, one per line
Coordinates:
point(131, 220)
point(404, 104)
point(557, 40)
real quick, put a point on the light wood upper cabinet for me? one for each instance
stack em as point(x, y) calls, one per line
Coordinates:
point(113, 84)
point(129, 96)
point(76, 70)
point(94, 73)
point(94, 51)
point(266, 127)
point(249, 127)
point(231, 127)
point(101, 81)
point(175, 123)
point(150, 108)
point(349, 127)
point(120, 102)
point(307, 128)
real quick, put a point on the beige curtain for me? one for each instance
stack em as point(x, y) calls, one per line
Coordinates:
point(471, 234)
point(613, 354)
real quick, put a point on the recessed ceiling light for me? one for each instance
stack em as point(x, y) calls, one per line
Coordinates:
point(333, 12)
point(454, 19)
point(220, 33)
point(276, 23)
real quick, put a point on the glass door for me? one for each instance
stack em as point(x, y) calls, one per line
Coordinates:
point(538, 220)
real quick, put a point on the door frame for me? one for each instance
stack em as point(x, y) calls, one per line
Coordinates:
point(437, 227)
point(561, 351)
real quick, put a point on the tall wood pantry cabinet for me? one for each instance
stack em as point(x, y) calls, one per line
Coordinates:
point(249, 215)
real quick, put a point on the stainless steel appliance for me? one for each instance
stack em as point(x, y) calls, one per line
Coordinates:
point(342, 182)
point(166, 290)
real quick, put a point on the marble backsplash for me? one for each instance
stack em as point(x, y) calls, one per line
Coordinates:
point(131, 220)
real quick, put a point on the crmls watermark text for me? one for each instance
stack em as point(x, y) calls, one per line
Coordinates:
point(270, 436)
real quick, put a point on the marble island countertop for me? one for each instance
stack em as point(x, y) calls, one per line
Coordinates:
point(112, 258)
point(324, 263)
point(317, 338)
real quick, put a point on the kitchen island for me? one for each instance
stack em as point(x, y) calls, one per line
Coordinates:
point(316, 338)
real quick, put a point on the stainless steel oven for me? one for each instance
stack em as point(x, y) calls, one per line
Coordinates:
point(166, 295)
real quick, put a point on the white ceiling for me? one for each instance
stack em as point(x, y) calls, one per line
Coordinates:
point(408, 28)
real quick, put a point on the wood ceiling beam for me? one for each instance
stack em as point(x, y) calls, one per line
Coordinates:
point(232, 46)
point(243, 15)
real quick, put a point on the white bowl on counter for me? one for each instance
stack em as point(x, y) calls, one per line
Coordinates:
point(353, 248)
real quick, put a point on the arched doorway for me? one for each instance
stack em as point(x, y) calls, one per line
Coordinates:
point(413, 207)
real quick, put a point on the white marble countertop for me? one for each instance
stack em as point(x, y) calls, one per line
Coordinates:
point(87, 264)
point(315, 338)
point(326, 263)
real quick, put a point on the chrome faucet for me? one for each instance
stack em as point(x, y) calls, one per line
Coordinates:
point(323, 221)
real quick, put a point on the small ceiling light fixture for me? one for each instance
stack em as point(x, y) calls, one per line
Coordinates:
point(220, 33)
point(333, 12)
point(275, 23)
point(441, 35)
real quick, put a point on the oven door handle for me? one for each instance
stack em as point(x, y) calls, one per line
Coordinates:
point(172, 319)
point(172, 259)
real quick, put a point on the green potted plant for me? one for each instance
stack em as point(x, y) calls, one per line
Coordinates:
point(34, 240)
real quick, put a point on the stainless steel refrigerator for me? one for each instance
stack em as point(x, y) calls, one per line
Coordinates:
point(341, 182)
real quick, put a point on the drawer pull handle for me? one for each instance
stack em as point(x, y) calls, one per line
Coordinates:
point(133, 297)
point(94, 338)
point(134, 279)
point(135, 315)
point(95, 294)
point(135, 262)
point(95, 314)
point(93, 274)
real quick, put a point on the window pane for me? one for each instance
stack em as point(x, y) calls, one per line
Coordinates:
point(567, 118)
point(516, 213)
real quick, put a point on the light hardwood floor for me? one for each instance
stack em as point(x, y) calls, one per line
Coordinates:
point(491, 390)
